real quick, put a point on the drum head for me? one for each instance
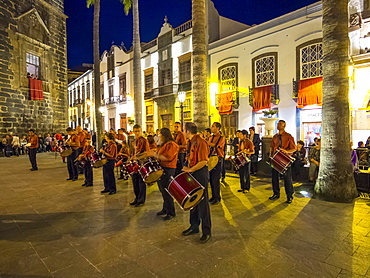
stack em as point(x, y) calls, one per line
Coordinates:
point(100, 163)
point(194, 198)
point(66, 152)
point(153, 177)
point(212, 162)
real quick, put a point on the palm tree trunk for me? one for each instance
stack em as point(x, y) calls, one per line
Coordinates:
point(336, 180)
point(98, 118)
point(199, 58)
point(138, 95)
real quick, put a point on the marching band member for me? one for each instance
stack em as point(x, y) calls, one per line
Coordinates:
point(120, 139)
point(87, 150)
point(197, 158)
point(125, 153)
point(139, 146)
point(217, 144)
point(285, 142)
point(110, 152)
point(246, 146)
point(74, 142)
point(180, 140)
point(167, 156)
point(33, 145)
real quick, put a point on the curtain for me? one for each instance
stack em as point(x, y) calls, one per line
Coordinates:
point(262, 97)
point(36, 92)
point(225, 103)
point(310, 92)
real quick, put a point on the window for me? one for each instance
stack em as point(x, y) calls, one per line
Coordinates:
point(166, 77)
point(102, 91)
point(83, 96)
point(185, 71)
point(264, 71)
point(311, 61)
point(33, 65)
point(111, 91)
point(164, 55)
point(148, 82)
point(88, 93)
point(110, 64)
point(228, 78)
point(122, 85)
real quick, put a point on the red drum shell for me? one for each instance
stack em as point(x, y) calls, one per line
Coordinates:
point(132, 167)
point(281, 161)
point(240, 160)
point(186, 190)
point(150, 170)
point(98, 160)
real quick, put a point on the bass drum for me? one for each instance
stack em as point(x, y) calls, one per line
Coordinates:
point(186, 191)
point(98, 160)
point(65, 151)
point(150, 170)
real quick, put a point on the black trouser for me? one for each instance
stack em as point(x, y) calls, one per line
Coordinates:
point(245, 178)
point(215, 176)
point(289, 190)
point(32, 156)
point(223, 170)
point(16, 150)
point(88, 172)
point(108, 176)
point(254, 162)
point(163, 183)
point(139, 188)
point(180, 163)
point(72, 168)
point(201, 212)
point(78, 152)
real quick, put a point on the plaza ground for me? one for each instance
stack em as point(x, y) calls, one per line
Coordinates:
point(50, 227)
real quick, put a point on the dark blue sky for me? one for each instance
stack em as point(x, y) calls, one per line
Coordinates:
point(116, 27)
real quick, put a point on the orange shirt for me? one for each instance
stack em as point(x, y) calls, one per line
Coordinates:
point(111, 149)
point(246, 144)
point(82, 138)
point(75, 139)
point(170, 151)
point(153, 146)
point(88, 150)
point(198, 150)
point(140, 145)
point(287, 142)
point(180, 139)
point(220, 145)
point(34, 140)
point(121, 137)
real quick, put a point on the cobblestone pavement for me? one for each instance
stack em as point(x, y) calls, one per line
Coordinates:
point(53, 227)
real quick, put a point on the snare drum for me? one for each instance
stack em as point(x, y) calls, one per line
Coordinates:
point(119, 160)
point(132, 166)
point(82, 162)
point(65, 151)
point(98, 160)
point(150, 170)
point(186, 190)
point(125, 173)
point(240, 160)
point(281, 161)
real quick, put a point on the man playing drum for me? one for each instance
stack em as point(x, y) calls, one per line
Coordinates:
point(110, 152)
point(139, 146)
point(216, 143)
point(197, 158)
point(180, 140)
point(32, 145)
point(245, 146)
point(74, 142)
point(167, 156)
point(284, 142)
point(87, 150)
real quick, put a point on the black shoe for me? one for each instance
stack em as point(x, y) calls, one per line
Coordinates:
point(215, 202)
point(139, 204)
point(211, 200)
point(83, 184)
point(168, 217)
point(162, 212)
point(289, 200)
point(189, 232)
point(74, 179)
point(133, 203)
point(34, 169)
point(112, 192)
point(120, 178)
point(241, 190)
point(274, 197)
point(69, 179)
point(104, 191)
point(88, 185)
point(205, 238)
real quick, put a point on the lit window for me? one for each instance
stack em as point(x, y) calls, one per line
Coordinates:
point(228, 78)
point(33, 65)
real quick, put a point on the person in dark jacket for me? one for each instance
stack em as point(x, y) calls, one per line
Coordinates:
point(255, 138)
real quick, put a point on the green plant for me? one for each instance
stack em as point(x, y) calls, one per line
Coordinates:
point(269, 113)
point(131, 122)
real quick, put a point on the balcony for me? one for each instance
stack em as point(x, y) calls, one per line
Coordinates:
point(77, 102)
point(148, 45)
point(185, 86)
point(114, 100)
point(165, 90)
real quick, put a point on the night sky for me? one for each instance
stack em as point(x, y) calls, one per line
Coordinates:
point(116, 27)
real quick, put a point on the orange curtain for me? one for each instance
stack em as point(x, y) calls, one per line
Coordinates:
point(225, 103)
point(36, 92)
point(262, 97)
point(310, 92)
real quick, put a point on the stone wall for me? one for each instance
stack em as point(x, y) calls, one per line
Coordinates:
point(37, 27)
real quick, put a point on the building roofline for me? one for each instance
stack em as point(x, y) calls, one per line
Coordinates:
point(80, 77)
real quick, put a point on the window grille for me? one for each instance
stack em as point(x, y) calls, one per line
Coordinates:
point(265, 71)
point(311, 61)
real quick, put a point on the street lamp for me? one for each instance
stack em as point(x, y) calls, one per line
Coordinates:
point(181, 96)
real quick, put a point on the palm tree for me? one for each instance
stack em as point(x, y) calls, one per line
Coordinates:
point(138, 95)
point(336, 180)
point(98, 118)
point(199, 58)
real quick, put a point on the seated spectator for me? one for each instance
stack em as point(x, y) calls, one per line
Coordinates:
point(299, 162)
point(314, 158)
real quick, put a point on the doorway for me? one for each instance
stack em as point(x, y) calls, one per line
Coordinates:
point(167, 121)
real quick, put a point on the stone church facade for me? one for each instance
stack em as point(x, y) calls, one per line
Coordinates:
point(32, 43)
